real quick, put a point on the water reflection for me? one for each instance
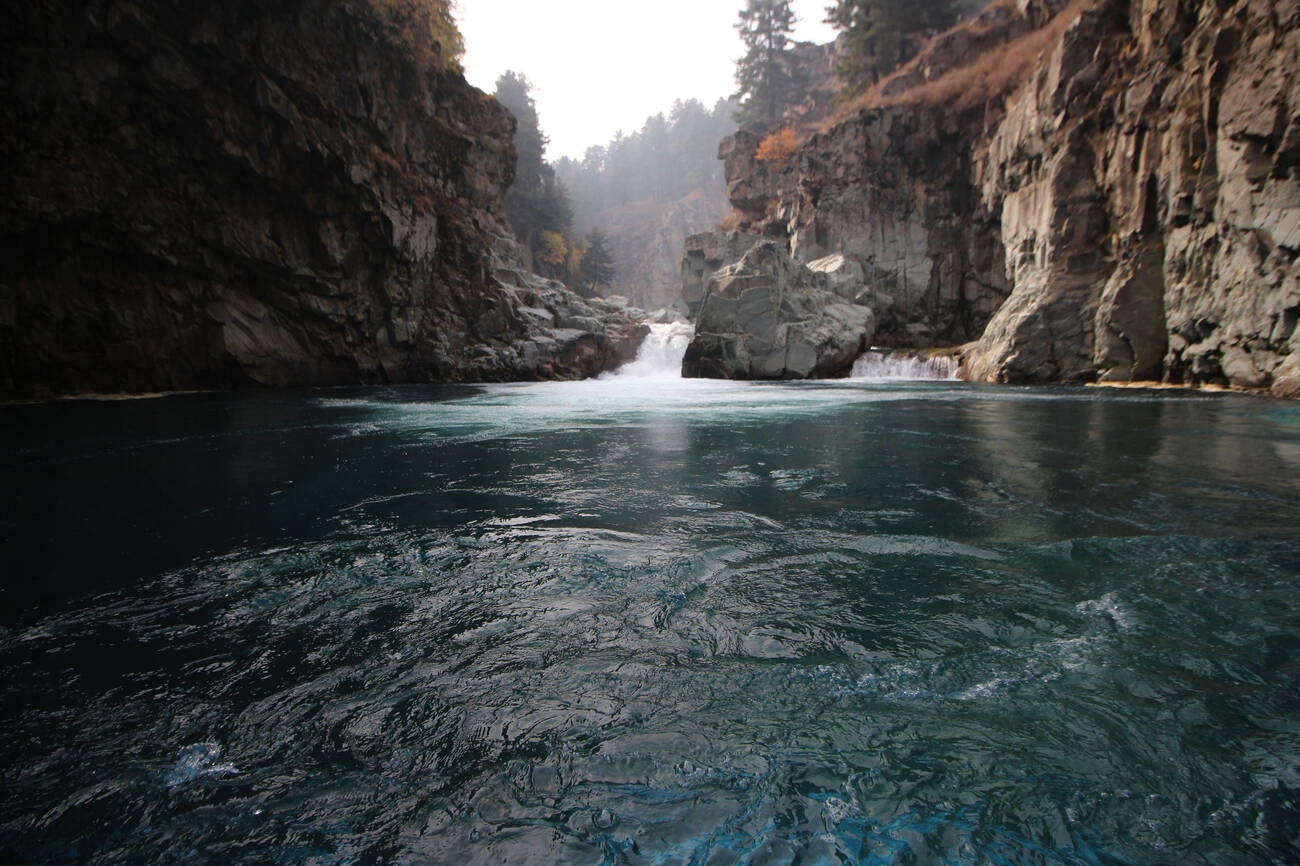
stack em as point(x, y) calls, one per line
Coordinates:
point(828, 622)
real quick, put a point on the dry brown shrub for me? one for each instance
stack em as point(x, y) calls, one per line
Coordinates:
point(778, 147)
point(731, 221)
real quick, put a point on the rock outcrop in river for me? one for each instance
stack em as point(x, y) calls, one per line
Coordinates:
point(200, 195)
point(767, 317)
point(1129, 211)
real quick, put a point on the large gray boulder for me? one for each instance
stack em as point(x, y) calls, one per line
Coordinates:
point(767, 317)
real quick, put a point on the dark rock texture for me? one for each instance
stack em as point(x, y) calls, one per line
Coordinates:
point(208, 194)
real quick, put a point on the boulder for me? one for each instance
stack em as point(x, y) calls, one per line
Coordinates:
point(766, 317)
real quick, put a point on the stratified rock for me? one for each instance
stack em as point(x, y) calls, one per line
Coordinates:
point(1130, 211)
point(1149, 200)
point(705, 253)
point(888, 192)
point(765, 317)
point(203, 195)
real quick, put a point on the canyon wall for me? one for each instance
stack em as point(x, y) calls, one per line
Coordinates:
point(207, 195)
point(1129, 211)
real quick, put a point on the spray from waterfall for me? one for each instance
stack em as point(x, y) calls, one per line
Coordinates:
point(660, 355)
point(883, 364)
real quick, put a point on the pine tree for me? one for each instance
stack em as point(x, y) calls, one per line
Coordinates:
point(537, 203)
point(764, 76)
point(880, 35)
point(598, 263)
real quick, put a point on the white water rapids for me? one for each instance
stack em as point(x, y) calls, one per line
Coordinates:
point(661, 352)
point(883, 364)
point(660, 357)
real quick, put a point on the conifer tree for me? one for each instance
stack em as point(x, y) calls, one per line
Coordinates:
point(880, 34)
point(598, 263)
point(764, 76)
point(537, 203)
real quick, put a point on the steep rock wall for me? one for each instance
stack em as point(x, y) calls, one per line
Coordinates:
point(1130, 212)
point(1150, 206)
point(200, 195)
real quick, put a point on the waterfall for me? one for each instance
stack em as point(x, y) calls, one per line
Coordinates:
point(660, 354)
point(884, 364)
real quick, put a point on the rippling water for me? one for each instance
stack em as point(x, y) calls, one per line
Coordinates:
point(652, 621)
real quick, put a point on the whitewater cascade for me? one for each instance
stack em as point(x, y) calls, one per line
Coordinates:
point(903, 365)
point(661, 352)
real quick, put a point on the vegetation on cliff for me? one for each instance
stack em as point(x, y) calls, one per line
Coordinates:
point(879, 35)
point(767, 81)
point(421, 26)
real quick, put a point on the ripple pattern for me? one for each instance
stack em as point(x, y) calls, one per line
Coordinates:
point(842, 623)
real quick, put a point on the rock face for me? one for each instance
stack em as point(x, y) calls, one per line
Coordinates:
point(1130, 211)
point(1147, 183)
point(647, 240)
point(770, 317)
point(204, 195)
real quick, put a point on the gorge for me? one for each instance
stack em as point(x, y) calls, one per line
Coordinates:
point(188, 208)
point(364, 545)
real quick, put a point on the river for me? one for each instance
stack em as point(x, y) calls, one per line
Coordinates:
point(646, 620)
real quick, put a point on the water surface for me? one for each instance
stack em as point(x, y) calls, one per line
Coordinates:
point(652, 621)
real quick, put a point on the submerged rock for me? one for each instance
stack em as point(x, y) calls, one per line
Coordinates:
point(766, 317)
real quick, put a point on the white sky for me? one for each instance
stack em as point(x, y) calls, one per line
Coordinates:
point(598, 66)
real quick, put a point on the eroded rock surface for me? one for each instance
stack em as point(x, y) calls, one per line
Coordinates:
point(768, 317)
point(204, 195)
point(1150, 206)
point(1130, 212)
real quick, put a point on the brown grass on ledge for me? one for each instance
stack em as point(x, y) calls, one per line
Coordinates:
point(993, 75)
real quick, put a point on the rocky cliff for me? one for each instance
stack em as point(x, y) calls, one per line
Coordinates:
point(202, 194)
point(1128, 209)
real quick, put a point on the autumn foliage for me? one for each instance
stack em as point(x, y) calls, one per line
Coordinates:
point(777, 147)
point(422, 24)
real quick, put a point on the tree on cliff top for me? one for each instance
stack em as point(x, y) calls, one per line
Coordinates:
point(765, 76)
point(879, 35)
point(597, 263)
point(421, 24)
point(537, 204)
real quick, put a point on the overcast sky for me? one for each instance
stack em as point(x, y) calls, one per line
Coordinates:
point(598, 66)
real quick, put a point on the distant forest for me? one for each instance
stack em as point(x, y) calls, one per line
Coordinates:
point(668, 159)
point(559, 211)
point(610, 222)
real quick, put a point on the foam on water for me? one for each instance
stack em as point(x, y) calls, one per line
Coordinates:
point(661, 352)
point(196, 761)
point(900, 365)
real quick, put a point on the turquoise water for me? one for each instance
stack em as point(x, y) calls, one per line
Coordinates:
point(652, 621)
